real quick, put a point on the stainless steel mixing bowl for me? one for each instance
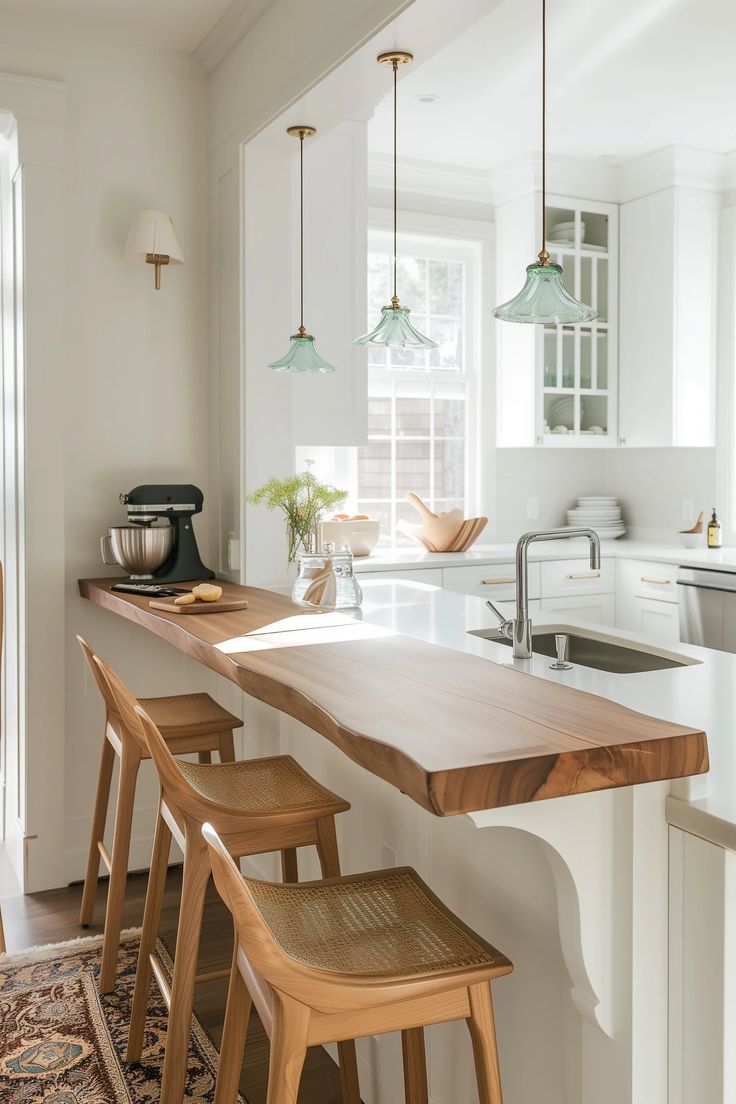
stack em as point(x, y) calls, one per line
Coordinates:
point(138, 549)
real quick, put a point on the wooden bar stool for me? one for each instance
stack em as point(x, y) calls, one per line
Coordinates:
point(348, 957)
point(188, 723)
point(258, 805)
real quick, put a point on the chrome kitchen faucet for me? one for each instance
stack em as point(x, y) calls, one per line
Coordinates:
point(519, 629)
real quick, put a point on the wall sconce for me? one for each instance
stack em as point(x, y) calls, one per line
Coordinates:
point(151, 239)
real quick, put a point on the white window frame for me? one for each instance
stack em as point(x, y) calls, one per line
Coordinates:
point(450, 238)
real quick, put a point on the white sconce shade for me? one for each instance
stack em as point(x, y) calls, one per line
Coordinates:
point(152, 240)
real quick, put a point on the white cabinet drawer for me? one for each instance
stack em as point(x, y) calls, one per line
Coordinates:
point(659, 621)
point(494, 581)
point(432, 575)
point(598, 608)
point(563, 577)
point(648, 579)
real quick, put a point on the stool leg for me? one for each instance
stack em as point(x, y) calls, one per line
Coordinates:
point(329, 858)
point(151, 919)
point(102, 800)
point(415, 1066)
point(3, 948)
point(227, 747)
point(483, 1033)
point(234, 1034)
point(129, 763)
point(194, 887)
point(289, 865)
point(204, 756)
point(288, 1049)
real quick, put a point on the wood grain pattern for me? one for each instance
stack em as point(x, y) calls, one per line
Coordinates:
point(220, 606)
point(456, 732)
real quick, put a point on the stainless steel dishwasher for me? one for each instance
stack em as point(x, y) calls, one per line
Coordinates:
point(707, 607)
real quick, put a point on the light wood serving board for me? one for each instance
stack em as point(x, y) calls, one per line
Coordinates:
point(455, 732)
point(222, 605)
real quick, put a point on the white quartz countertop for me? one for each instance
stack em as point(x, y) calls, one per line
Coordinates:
point(701, 694)
point(722, 559)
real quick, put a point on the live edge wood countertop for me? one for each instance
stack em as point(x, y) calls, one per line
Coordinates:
point(455, 732)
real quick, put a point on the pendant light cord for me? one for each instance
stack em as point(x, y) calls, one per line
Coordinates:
point(302, 331)
point(544, 255)
point(395, 299)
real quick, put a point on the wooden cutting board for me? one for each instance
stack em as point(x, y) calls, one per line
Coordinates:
point(222, 605)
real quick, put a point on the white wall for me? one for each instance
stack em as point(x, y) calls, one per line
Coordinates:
point(134, 394)
point(651, 484)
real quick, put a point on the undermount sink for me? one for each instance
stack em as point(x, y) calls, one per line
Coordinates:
point(589, 651)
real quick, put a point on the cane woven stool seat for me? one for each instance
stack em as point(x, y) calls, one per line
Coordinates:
point(189, 723)
point(344, 958)
point(182, 715)
point(261, 786)
point(384, 923)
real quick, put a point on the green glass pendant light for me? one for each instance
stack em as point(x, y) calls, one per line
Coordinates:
point(544, 298)
point(302, 355)
point(395, 329)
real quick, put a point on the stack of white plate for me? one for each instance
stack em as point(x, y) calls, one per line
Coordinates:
point(563, 233)
point(599, 512)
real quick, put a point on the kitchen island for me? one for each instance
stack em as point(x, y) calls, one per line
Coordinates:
point(574, 888)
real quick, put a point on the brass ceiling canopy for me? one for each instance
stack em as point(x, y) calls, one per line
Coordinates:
point(301, 131)
point(395, 57)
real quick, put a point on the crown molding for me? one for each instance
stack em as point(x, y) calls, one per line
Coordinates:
point(233, 26)
point(429, 178)
point(673, 166)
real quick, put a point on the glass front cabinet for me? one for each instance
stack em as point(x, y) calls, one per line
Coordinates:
point(558, 384)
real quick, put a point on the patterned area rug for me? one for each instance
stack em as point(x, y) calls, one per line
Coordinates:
point(62, 1043)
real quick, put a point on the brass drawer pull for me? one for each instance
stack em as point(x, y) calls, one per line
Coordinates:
point(654, 579)
point(497, 582)
point(585, 575)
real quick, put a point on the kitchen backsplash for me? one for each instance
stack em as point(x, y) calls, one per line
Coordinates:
point(650, 483)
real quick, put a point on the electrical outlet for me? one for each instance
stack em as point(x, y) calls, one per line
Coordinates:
point(233, 552)
point(532, 509)
point(688, 510)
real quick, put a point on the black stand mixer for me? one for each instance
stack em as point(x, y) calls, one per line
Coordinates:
point(178, 503)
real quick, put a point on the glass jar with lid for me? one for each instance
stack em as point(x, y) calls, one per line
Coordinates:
point(326, 579)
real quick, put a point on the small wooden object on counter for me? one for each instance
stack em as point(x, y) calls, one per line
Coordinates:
point(222, 605)
point(448, 532)
point(257, 806)
point(453, 731)
point(697, 527)
point(346, 958)
point(189, 722)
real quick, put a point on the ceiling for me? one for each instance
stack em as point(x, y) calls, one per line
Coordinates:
point(169, 24)
point(625, 77)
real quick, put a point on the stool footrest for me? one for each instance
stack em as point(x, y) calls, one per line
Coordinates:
point(161, 979)
point(212, 975)
point(105, 855)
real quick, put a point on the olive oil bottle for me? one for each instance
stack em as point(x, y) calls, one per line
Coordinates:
point(714, 531)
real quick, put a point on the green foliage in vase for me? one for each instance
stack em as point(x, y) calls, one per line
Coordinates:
point(303, 500)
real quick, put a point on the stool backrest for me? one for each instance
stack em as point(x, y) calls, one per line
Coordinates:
point(254, 936)
point(127, 726)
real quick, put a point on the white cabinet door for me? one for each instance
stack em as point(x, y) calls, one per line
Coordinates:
point(659, 621)
point(494, 581)
point(561, 578)
point(432, 575)
point(668, 254)
point(598, 608)
point(646, 599)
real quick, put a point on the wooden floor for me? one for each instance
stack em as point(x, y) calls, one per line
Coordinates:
point(52, 917)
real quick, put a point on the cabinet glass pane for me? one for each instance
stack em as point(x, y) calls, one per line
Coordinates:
point(602, 365)
point(550, 358)
point(594, 414)
point(568, 358)
point(586, 359)
point(559, 413)
point(602, 303)
point(586, 280)
point(596, 229)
